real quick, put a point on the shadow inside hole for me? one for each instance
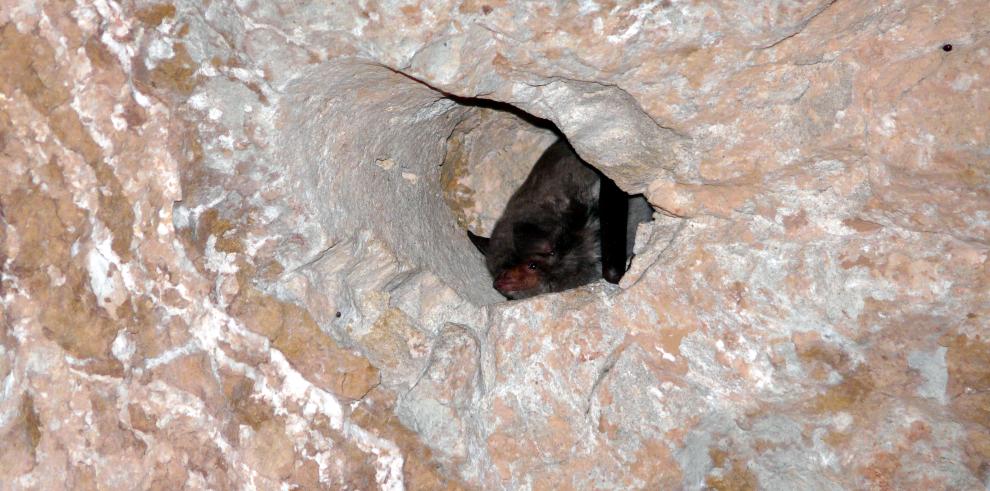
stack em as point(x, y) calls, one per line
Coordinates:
point(507, 108)
point(490, 154)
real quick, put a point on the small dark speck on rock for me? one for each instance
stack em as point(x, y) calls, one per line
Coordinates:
point(337, 314)
point(946, 47)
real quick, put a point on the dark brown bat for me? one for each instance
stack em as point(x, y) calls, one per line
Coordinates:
point(564, 227)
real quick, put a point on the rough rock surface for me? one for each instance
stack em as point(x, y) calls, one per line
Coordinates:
point(231, 255)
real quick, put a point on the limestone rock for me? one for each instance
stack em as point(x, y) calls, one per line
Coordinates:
point(233, 255)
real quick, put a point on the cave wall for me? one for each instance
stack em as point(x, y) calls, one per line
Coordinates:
point(231, 255)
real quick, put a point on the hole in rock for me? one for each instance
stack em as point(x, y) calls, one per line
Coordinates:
point(383, 177)
point(547, 244)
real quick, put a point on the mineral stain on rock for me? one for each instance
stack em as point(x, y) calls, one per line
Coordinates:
point(21, 438)
point(294, 333)
point(734, 476)
point(968, 361)
point(153, 15)
point(27, 60)
point(46, 230)
point(176, 74)
point(844, 396)
point(823, 290)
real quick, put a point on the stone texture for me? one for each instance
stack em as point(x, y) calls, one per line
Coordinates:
point(489, 154)
point(231, 255)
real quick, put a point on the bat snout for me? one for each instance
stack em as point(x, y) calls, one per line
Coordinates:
point(516, 279)
point(504, 284)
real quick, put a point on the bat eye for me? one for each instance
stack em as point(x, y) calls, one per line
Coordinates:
point(531, 266)
point(552, 253)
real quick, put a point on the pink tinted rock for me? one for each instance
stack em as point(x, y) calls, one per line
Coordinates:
point(813, 298)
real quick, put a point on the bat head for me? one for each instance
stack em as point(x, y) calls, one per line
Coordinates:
point(548, 254)
point(521, 266)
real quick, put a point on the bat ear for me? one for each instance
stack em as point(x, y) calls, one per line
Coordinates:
point(480, 242)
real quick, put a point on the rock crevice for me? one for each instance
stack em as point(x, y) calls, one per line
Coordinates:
point(232, 248)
